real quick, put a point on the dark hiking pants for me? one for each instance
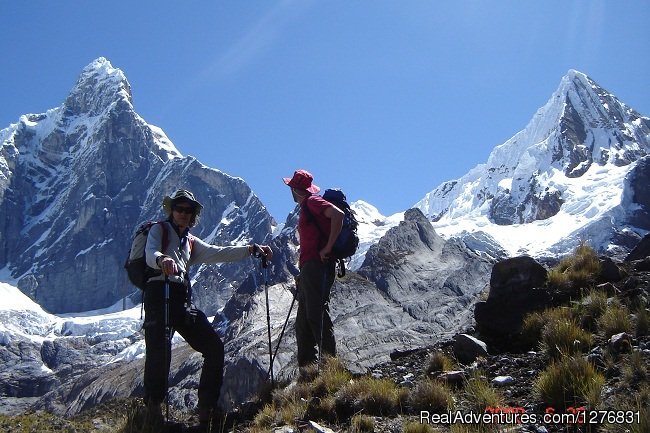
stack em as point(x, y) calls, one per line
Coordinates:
point(313, 317)
point(197, 332)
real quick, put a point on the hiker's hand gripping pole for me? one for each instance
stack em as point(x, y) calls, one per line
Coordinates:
point(262, 252)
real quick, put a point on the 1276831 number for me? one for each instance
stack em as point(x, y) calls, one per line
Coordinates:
point(612, 417)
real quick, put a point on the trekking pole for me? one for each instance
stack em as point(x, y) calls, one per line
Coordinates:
point(277, 346)
point(168, 343)
point(257, 252)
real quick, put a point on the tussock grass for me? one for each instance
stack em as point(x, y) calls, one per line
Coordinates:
point(531, 329)
point(614, 320)
point(480, 393)
point(379, 397)
point(642, 322)
point(571, 381)
point(562, 336)
point(642, 404)
point(534, 323)
point(432, 396)
point(42, 422)
point(266, 418)
point(332, 378)
point(362, 424)
point(333, 395)
point(591, 308)
point(578, 270)
point(284, 413)
point(634, 369)
point(440, 362)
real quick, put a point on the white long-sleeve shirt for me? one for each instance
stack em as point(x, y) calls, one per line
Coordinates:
point(179, 251)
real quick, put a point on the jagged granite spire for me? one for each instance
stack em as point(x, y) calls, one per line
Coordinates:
point(99, 86)
point(76, 180)
point(581, 123)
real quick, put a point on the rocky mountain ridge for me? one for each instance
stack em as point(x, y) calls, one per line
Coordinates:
point(77, 181)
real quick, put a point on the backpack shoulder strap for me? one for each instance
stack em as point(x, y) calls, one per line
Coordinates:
point(165, 236)
point(310, 217)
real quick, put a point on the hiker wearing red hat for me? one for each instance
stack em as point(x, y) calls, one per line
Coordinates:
point(319, 224)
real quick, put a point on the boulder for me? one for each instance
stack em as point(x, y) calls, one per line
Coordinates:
point(641, 251)
point(610, 271)
point(514, 275)
point(516, 289)
point(620, 343)
point(467, 348)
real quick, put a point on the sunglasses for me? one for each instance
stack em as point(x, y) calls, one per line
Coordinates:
point(184, 209)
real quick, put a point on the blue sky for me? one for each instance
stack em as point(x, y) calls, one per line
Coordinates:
point(385, 99)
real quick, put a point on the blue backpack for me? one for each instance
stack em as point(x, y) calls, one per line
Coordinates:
point(348, 240)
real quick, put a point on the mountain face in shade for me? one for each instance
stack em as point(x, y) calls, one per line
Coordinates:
point(77, 180)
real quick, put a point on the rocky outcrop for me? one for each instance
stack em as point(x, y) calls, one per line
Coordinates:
point(436, 281)
point(517, 288)
point(641, 251)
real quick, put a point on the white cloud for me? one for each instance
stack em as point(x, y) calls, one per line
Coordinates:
point(256, 40)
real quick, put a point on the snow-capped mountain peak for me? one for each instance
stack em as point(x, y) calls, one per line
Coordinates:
point(99, 86)
point(571, 157)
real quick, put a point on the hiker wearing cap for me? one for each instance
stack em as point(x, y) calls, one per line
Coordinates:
point(172, 261)
point(319, 224)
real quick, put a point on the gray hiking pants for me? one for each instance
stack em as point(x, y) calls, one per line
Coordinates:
point(313, 317)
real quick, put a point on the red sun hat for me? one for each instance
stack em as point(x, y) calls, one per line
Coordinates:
point(302, 179)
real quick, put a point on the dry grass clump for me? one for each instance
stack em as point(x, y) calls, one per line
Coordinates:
point(284, 410)
point(556, 331)
point(333, 395)
point(531, 329)
point(642, 405)
point(562, 336)
point(362, 424)
point(571, 381)
point(432, 396)
point(380, 397)
point(480, 394)
point(642, 320)
point(634, 369)
point(332, 378)
point(614, 320)
point(311, 397)
point(590, 308)
point(578, 270)
point(440, 362)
